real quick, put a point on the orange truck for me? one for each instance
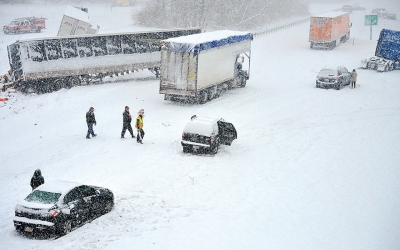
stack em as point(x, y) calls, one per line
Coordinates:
point(329, 29)
point(25, 25)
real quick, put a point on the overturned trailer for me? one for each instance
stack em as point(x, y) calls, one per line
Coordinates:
point(48, 64)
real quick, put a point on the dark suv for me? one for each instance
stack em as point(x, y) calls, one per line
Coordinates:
point(204, 135)
point(333, 78)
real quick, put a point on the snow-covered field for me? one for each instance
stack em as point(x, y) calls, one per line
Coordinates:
point(311, 168)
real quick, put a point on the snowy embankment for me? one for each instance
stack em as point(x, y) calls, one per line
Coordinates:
point(311, 168)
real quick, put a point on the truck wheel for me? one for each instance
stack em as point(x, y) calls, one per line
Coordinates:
point(58, 84)
point(203, 98)
point(39, 30)
point(311, 45)
point(386, 68)
point(74, 81)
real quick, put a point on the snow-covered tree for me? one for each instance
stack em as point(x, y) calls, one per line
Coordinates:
point(217, 14)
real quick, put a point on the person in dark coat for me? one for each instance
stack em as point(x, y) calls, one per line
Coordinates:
point(126, 122)
point(90, 120)
point(37, 179)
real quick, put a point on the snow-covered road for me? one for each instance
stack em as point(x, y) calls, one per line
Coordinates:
point(311, 168)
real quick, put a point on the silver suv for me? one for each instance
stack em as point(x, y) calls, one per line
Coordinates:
point(333, 78)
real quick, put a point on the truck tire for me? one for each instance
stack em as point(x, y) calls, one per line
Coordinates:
point(386, 68)
point(311, 45)
point(58, 84)
point(39, 30)
point(73, 81)
point(203, 97)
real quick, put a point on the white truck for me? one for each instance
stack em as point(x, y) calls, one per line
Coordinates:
point(75, 21)
point(199, 67)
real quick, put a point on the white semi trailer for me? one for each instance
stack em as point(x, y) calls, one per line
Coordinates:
point(49, 64)
point(198, 68)
point(75, 21)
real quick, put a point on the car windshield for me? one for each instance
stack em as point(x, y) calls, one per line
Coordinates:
point(43, 197)
point(14, 23)
point(328, 72)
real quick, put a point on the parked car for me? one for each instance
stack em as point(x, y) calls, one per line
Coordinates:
point(25, 25)
point(347, 8)
point(357, 7)
point(204, 135)
point(55, 208)
point(381, 12)
point(333, 78)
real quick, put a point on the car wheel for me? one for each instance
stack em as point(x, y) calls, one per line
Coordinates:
point(186, 149)
point(66, 227)
point(214, 150)
point(108, 207)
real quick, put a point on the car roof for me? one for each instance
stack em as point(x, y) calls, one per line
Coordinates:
point(201, 125)
point(60, 187)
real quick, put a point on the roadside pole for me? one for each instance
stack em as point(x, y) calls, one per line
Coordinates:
point(371, 20)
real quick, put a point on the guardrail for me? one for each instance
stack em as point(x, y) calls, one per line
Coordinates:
point(285, 26)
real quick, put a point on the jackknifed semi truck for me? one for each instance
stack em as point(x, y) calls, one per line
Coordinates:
point(48, 64)
point(329, 29)
point(198, 68)
point(387, 52)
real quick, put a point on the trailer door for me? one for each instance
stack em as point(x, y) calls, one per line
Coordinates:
point(14, 57)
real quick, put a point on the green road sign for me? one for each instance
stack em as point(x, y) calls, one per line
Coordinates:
point(371, 20)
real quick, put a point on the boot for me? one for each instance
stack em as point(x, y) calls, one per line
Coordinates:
point(87, 137)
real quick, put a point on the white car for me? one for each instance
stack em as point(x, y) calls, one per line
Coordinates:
point(205, 134)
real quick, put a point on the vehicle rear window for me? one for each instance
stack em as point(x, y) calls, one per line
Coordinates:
point(43, 197)
point(328, 72)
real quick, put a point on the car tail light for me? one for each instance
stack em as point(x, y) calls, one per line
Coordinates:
point(54, 213)
point(183, 136)
point(212, 138)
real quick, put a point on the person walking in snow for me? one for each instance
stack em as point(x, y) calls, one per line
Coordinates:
point(126, 122)
point(90, 120)
point(139, 126)
point(353, 78)
point(37, 179)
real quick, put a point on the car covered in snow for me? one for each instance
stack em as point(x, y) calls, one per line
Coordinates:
point(56, 207)
point(333, 78)
point(347, 8)
point(205, 134)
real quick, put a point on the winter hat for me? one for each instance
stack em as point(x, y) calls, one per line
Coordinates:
point(91, 109)
point(141, 111)
point(126, 107)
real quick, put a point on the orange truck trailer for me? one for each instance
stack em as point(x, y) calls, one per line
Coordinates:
point(329, 29)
